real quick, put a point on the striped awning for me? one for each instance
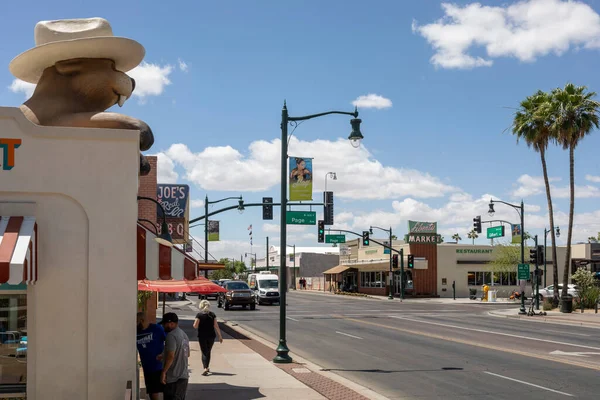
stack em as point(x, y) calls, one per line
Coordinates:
point(155, 261)
point(18, 250)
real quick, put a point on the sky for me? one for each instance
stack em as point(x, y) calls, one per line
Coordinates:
point(436, 85)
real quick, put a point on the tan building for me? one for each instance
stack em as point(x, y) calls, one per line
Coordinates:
point(68, 215)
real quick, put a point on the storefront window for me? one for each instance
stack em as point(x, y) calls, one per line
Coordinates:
point(471, 278)
point(13, 340)
point(480, 278)
point(372, 279)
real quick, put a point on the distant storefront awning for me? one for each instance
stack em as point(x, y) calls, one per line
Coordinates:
point(156, 261)
point(18, 250)
point(337, 270)
point(200, 285)
point(384, 266)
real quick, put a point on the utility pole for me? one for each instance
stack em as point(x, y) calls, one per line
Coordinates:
point(267, 253)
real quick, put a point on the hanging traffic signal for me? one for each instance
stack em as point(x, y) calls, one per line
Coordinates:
point(395, 261)
point(410, 261)
point(267, 208)
point(321, 231)
point(477, 224)
point(365, 238)
point(533, 256)
point(328, 208)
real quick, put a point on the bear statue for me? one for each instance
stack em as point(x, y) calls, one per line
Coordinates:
point(80, 68)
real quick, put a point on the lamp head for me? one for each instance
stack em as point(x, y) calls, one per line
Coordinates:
point(334, 176)
point(557, 231)
point(491, 210)
point(355, 136)
point(165, 237)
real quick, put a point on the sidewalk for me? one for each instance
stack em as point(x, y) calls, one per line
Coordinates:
point(588, 319)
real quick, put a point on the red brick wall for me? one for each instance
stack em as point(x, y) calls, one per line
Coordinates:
point(425, 280)
point(148, 183)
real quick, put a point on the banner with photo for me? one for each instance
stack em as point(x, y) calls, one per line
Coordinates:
point(213, 231)
point(300, 178)
point(516, 233)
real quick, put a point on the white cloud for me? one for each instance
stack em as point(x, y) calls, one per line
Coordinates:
point(150, 79)
point(183, 65)
point(534, 185)
point(197, 203)
point(19, 86)
point(581, 192)
point(165, 169)
point(225, 168)
point(524, 30)
point(372, 101)
point(274, 228)
point(592, 178)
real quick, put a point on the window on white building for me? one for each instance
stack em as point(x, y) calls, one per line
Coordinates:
point(372, 279)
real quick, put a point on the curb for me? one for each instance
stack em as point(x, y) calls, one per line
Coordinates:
point(361, 390)
point(547, 319)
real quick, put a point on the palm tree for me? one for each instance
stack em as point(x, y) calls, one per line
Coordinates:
point(456, 237)
point(575, 116)
point(592, 239)
point(533, 122)
point(473, 235)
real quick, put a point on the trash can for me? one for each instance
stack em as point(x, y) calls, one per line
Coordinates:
point(566, 304)
point(492, 296)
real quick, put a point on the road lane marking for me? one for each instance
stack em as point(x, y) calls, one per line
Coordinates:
point(194, 308)
point(496, 333)
point(574, 353)
point(566, 333)
point(347, 334)
point(482, 345)
point(292, 319)
point(527, 383)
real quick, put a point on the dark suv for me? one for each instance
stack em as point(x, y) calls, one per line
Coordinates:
point(238, 294)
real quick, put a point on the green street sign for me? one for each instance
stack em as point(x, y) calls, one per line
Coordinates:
point(523, 272)
point(301, 218)
point(495, 231)
point(335, 238)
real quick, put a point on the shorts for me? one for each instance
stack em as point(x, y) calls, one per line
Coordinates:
point(153, 384)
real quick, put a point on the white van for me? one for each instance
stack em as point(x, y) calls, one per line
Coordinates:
point(266, 287)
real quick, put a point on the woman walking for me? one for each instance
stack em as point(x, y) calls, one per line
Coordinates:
point(208, 330)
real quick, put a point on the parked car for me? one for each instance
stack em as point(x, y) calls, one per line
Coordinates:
point(238, 294)
point(548, 291)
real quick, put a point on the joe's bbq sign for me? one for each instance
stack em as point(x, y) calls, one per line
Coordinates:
point(175, 201)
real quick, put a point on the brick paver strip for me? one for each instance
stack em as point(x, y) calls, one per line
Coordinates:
point(325, 386)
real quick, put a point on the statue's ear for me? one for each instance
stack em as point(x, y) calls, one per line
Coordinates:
point(68, 67)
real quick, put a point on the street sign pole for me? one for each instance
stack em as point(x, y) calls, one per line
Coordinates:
point(537, 280)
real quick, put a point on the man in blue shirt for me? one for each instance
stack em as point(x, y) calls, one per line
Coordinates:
point(150, 345)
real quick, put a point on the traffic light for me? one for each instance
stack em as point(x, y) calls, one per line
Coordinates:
point(533, 256)
point(395, 261)
point(477, 224)
point(328, 208)
point(540, 254)
point(365, 238)
point(321, 231)
point(410, 261)
point(267, 208)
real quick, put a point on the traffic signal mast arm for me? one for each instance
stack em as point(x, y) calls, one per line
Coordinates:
point(192, 221)
point(371, 240)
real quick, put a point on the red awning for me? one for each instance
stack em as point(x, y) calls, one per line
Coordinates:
point(18, 250)
point(155, 261)
point(200, 285)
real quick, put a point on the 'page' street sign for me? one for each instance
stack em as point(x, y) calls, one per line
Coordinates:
point(335, 238)
point(301, 218)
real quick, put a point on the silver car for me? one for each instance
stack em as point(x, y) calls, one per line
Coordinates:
point(548, 291)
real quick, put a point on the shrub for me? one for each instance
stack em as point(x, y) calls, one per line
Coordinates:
point(548, 304)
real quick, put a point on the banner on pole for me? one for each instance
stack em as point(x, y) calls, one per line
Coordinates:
point(300, 179)
point(213, 231)
point(516, 233)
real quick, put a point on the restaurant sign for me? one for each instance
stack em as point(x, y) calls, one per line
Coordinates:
point(422, 232)
point(422, 227)
point(175, 200)
point(423, 239)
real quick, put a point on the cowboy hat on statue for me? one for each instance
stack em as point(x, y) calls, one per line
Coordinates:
point(79, 67)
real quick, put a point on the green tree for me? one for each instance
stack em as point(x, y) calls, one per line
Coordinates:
point(592, 239)
point(576, 114)
point(533, 122)
point(473, 235)
point(506, 257)
point(456, 237)
point(587, 289)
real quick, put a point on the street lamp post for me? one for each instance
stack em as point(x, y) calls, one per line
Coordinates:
point(355, 138)
point(206, 204)
point(391, 295)
point(294, 270)
point(253, 254)
point(520, 210)
point(333, 176)
point(546, 232)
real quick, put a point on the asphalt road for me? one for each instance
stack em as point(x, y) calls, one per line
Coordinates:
point(433, 351)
